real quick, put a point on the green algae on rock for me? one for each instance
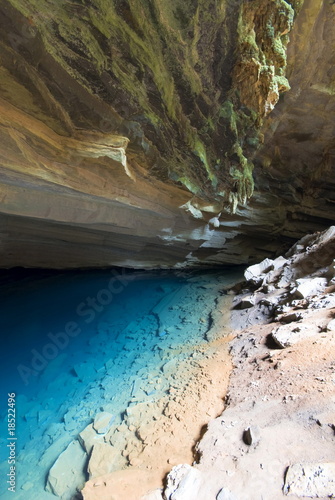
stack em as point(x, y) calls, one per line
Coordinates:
point(186, 90)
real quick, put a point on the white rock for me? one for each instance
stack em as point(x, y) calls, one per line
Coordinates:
point(287, 335)
point(27, 486)
point(279, 263)
point(225, 494)
point(311, 480)
point(103, 421)
point(67, 473)
point(255, 273)
point(308, 287)
point(331, 326)
point(104, 459)
point(183, 483)
point(89, 437)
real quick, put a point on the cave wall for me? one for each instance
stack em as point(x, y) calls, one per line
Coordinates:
point(151, 134)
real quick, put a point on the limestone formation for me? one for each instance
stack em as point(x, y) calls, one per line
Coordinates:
point(152, 134)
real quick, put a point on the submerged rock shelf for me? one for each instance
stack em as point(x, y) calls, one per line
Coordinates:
point(116, 379)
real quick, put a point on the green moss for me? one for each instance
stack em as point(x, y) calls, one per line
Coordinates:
point(192, 187)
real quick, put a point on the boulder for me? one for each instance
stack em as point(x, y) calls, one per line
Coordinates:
point(315, 480)
point(183, 483)
point(246, 302)
point(308, 287)
point(67, 474)
point(255, 273)
point(103, 421)
point(287, 335)
point(88, 438)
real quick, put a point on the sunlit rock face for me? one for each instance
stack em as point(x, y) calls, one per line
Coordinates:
point(130, 130)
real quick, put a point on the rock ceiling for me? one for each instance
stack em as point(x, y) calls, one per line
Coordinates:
point(148, 133)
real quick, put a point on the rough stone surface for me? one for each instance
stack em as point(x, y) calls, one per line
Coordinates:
point(182, 483)
point(308, 287)
point(256, 272)
point(103, 460)
point(67, 472)
point(88, 438)
point(252, 435)
point(130, 130)
point(103, 421)
point(287, 335)
point(314, 480)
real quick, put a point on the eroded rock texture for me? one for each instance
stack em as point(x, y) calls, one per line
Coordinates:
point(130, 129)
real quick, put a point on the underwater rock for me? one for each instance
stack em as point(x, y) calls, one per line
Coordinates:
point(288, 335)
point(88, 438)
point(256, 273)
point(68, 472)
point(104, 459)
point(103, 421)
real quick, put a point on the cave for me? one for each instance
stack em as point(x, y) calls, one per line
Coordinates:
point(167, 273)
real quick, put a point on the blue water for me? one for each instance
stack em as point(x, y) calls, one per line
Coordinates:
point(73, 343)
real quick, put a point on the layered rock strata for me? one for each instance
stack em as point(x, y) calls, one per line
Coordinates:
point(130, 129)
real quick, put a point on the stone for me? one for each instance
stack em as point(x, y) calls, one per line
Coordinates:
point(104, 459)
point(315, 480)
point(252, 435)
point(103, 421)
point(288, 335)
point(68, 472)
point(88, 438)
point(291, 317)
point(225, 494)
point(309, 287)
point(331, 326)
point(246, 302)
point(183, 483)
point(255, 273)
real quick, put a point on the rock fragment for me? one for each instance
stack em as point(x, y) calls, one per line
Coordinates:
point(103, 421)
point(252, 435)
point(183, 483)
point(67, 472)
point(307, 287)
point(314, 480)
point(255, 273)
point(104, 460)
point(288, 335)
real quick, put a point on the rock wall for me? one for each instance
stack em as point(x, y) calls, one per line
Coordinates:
point(130, 129)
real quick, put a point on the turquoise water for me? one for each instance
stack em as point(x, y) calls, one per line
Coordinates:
point(78, 343)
